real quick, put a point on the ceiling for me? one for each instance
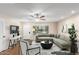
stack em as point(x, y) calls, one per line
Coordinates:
point(52, 11)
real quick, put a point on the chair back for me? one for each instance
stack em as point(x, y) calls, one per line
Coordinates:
point(24, 47)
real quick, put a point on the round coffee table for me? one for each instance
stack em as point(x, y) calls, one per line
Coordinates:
point(46, 45)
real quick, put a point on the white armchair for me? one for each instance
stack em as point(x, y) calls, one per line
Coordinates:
point(27, 49)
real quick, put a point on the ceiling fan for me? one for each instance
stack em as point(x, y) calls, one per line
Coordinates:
point(38, 16)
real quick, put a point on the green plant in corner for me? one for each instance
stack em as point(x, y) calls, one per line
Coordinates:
point(73, 36)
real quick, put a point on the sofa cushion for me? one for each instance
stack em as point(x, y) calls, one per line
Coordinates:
point(45, 35)
point(65, 37)
point(56, 36)
point(62, 37)
point(45, 38)
point(61, 43)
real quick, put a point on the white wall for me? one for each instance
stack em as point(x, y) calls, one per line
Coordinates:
point(3, 40)
point(7, 22)
point(27, 27)
point(68, 22)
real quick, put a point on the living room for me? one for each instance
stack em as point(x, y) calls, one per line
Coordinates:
point(45, 23)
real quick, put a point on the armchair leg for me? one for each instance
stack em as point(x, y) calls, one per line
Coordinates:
point(39, 51)
point(27, 52)
point(36, 53)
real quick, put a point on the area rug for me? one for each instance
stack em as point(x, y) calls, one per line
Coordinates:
point(60, 53)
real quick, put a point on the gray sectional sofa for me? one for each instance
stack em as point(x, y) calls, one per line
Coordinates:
point(40, 38)
point(61, 41)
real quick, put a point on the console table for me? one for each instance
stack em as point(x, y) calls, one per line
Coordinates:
point(13, 41)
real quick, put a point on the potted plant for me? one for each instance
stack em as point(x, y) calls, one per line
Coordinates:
point(73, 36)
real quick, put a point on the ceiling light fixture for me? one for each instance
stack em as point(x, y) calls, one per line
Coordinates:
point(61, 17)
point(37, 20)
point(73, 11)
point(38, 16)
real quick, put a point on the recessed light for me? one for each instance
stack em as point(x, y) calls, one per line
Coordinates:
point(61, 17)
point(37, 20)
point(73, 11)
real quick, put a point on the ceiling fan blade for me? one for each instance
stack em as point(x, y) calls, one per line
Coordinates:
point(42, 16)
point(42, 19)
